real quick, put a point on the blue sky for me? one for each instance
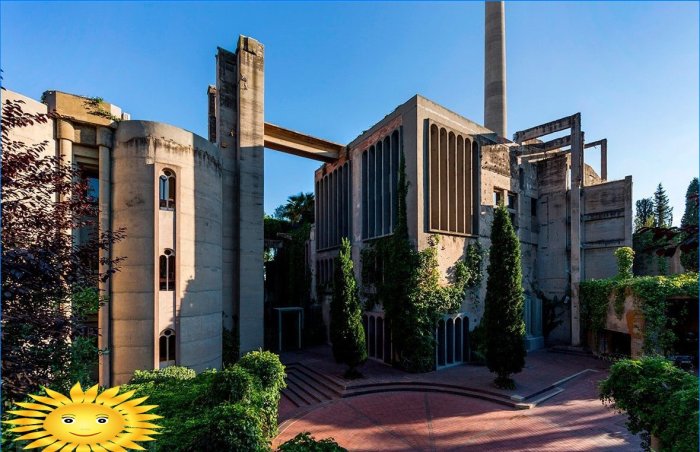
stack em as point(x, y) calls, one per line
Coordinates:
point(334, 69)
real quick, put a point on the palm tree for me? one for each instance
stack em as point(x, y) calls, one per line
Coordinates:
point(298, 209)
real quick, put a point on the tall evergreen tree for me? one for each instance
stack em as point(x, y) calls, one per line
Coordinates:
point(644, 215)
point(504, 304)
point(347, 334)
point(689, 258)
point(663, 212)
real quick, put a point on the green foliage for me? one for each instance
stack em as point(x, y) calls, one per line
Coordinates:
point(663, 212)
point(659, 399)
point(298, 209)
point(269, 372)
point(95, 108)
point(347, 334)
point(504, 304)
point(650, 292)
point(172, 373)
point(304, 442)
point(232, 409)
point(477, 344)
point(407, 284)
point(644, 216)
point(230, 351)
point(689, 259)
point(625, 260)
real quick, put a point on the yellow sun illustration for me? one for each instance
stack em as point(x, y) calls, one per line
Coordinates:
point(86, 421)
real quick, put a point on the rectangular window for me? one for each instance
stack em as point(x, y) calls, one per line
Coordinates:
point(512, 201)
point(497, 198)
point(533, 207)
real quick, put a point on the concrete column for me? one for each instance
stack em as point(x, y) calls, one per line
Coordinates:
point(604, 160)
point(575, 225)
point(104, 141)
point(66, 135)
point(250, 133)
point(495, 115)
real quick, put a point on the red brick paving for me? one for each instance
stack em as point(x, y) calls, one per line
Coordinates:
point(574, 420)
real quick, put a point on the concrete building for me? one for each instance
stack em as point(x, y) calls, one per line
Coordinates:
point(193, 208)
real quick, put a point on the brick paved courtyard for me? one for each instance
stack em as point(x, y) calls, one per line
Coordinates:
point(573, 419)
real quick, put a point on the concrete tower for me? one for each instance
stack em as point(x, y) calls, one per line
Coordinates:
point(495, 117)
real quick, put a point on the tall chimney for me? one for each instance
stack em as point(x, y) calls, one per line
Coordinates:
point(495, 117)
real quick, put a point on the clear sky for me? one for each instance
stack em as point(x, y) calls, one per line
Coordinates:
point(334, 69)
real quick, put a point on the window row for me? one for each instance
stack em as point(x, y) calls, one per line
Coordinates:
point(453, 175)
point(380, 175)
point(333, 207)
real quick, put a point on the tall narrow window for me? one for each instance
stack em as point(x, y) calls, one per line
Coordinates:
point(167, 270)
point(167, 190)
point(166, 346)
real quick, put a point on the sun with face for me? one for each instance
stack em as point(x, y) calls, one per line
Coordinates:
point(87, 421)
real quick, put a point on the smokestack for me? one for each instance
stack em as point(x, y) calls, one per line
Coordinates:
point(495, 116)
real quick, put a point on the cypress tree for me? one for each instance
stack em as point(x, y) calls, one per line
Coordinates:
point(663, 212)
point(504, 304)
point(347, 334)
point(689, 258)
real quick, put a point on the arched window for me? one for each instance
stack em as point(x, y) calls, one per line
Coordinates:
point(167, 270)
point(167, 190)
point(166, 345)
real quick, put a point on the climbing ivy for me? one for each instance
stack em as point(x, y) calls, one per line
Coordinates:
point(407, 284)
point(650, 294)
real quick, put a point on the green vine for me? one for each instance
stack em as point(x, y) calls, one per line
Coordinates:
point(650, 294)
point(407, 284)
point(95, 105)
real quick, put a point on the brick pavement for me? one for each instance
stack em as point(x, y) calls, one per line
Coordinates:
point(574, 420)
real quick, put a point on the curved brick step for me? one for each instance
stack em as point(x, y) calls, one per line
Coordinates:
point(429, 387)
point(445, 386)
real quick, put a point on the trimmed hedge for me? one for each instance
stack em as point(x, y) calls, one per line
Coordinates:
point(659, 400)
point(231, 409)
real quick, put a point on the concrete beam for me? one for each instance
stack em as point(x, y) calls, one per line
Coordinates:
point(296, 143)
point(544, 129)
point(603, 156)
point(551, 145)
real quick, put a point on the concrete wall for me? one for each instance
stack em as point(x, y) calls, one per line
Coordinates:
point(37, 133)
point(607, 225)
point(140, 311)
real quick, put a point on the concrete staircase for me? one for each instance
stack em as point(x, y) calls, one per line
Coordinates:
point(306, 386)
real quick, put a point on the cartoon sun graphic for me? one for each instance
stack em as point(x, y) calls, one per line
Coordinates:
point(87, 421)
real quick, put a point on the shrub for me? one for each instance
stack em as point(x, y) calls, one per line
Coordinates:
point(232, 409)
point(347, 334)
point(163, 375)
point(233, 384)
point(269, 372)
point(659, 399)
point(503, 313)
point(304, 442)
point(229, 427)
point(625, 260)
point(266, 366)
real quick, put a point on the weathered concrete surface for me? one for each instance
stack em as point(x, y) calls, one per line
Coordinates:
point(495, 110)
point(140, 311)
point(250, 135)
